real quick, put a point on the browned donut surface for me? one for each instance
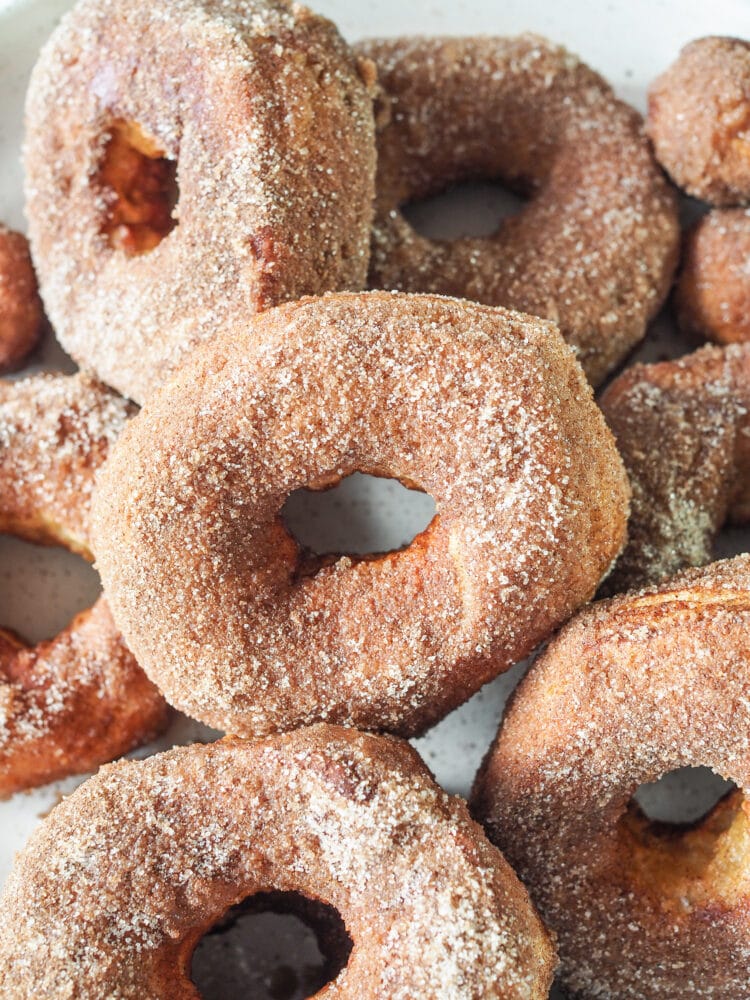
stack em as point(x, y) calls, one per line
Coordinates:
point(186, 158)
point(631, 689)
point(713, 291)
point(484, 409)
point(595, 246)
point(699, 120)
point(114, 891)
point(80, 699)
point(682, 428)
point(20, 306)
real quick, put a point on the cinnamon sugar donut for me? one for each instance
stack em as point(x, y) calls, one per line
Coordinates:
point(80, 699)
point(20, 307)
point(713, 291)
point(484, 409)
point(188, 158)
point(595, 246)
point(699, 120)
point(114, 891)
point(683, 430)
point(631, 689)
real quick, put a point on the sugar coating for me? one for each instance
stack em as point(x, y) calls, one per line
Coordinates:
point(484, 409)
point(269, 119)
point(113, 892)
point(699, 120)
point(633, 688)
point(713, 291)
point(594, 248)
point(682, 430)
point(80, 699)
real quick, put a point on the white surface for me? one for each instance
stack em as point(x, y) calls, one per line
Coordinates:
point(629, 42)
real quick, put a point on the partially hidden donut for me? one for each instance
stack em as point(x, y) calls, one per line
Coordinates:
point(713, 290)
point(484, 409)
point(187, 158)
point(117, 887)
point(594, 247)
point(699, 120)
point(21, 315)
point(631, 689)
point(79, 699)
point(683, 430)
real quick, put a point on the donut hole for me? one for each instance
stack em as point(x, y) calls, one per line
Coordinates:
point(359, 515)
point(467, 209)
point(683, 797)
point(42, 588)
point(272, 946)
point(140, 189)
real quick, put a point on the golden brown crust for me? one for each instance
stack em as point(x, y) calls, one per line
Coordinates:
point(595, 247)
point(699, 120)
point(21, 314)
point(633, 688)
point(484, 409)
point(713, 291)
point(80, 699)
point(682, 430)
point(261, 106)
point(113, 892)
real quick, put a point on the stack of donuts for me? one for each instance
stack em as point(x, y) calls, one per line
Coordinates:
point(215, 194)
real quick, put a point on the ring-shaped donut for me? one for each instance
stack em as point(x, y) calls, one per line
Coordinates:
point(631, 689)
point(187, 158)
point(683, 430)
point(79, 699)
point(595, 246)
point(484, 409)
point(139, 870)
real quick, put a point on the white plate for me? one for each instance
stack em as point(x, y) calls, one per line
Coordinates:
point(629, 41)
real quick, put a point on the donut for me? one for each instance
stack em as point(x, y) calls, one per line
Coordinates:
point(699, 120)
point(682, 428)
point(20, 307)
point(594, 247)
point(79, 699)
point(114, 891)
point(631, 689)
point(188, 158)
point(484, 409)
point(713, 290)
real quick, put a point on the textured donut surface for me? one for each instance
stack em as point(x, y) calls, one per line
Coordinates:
point(484, 409)
point(20, 307)
point(79, 699)
point(595, 246)
point(186, 158)
point(682, 428)
point(114, 891)
point(713, 291)
point(699, 120)
point(631, 689)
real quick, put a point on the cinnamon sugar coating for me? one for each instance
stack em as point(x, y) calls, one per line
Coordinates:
point(80, 699)
point(594, 248)
point(713, 291)
point(683, 430)
point(699, 120)
point(116, 888)
point(631, 689)
point(21, 314)
point(484, 409)
point(251, 117)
